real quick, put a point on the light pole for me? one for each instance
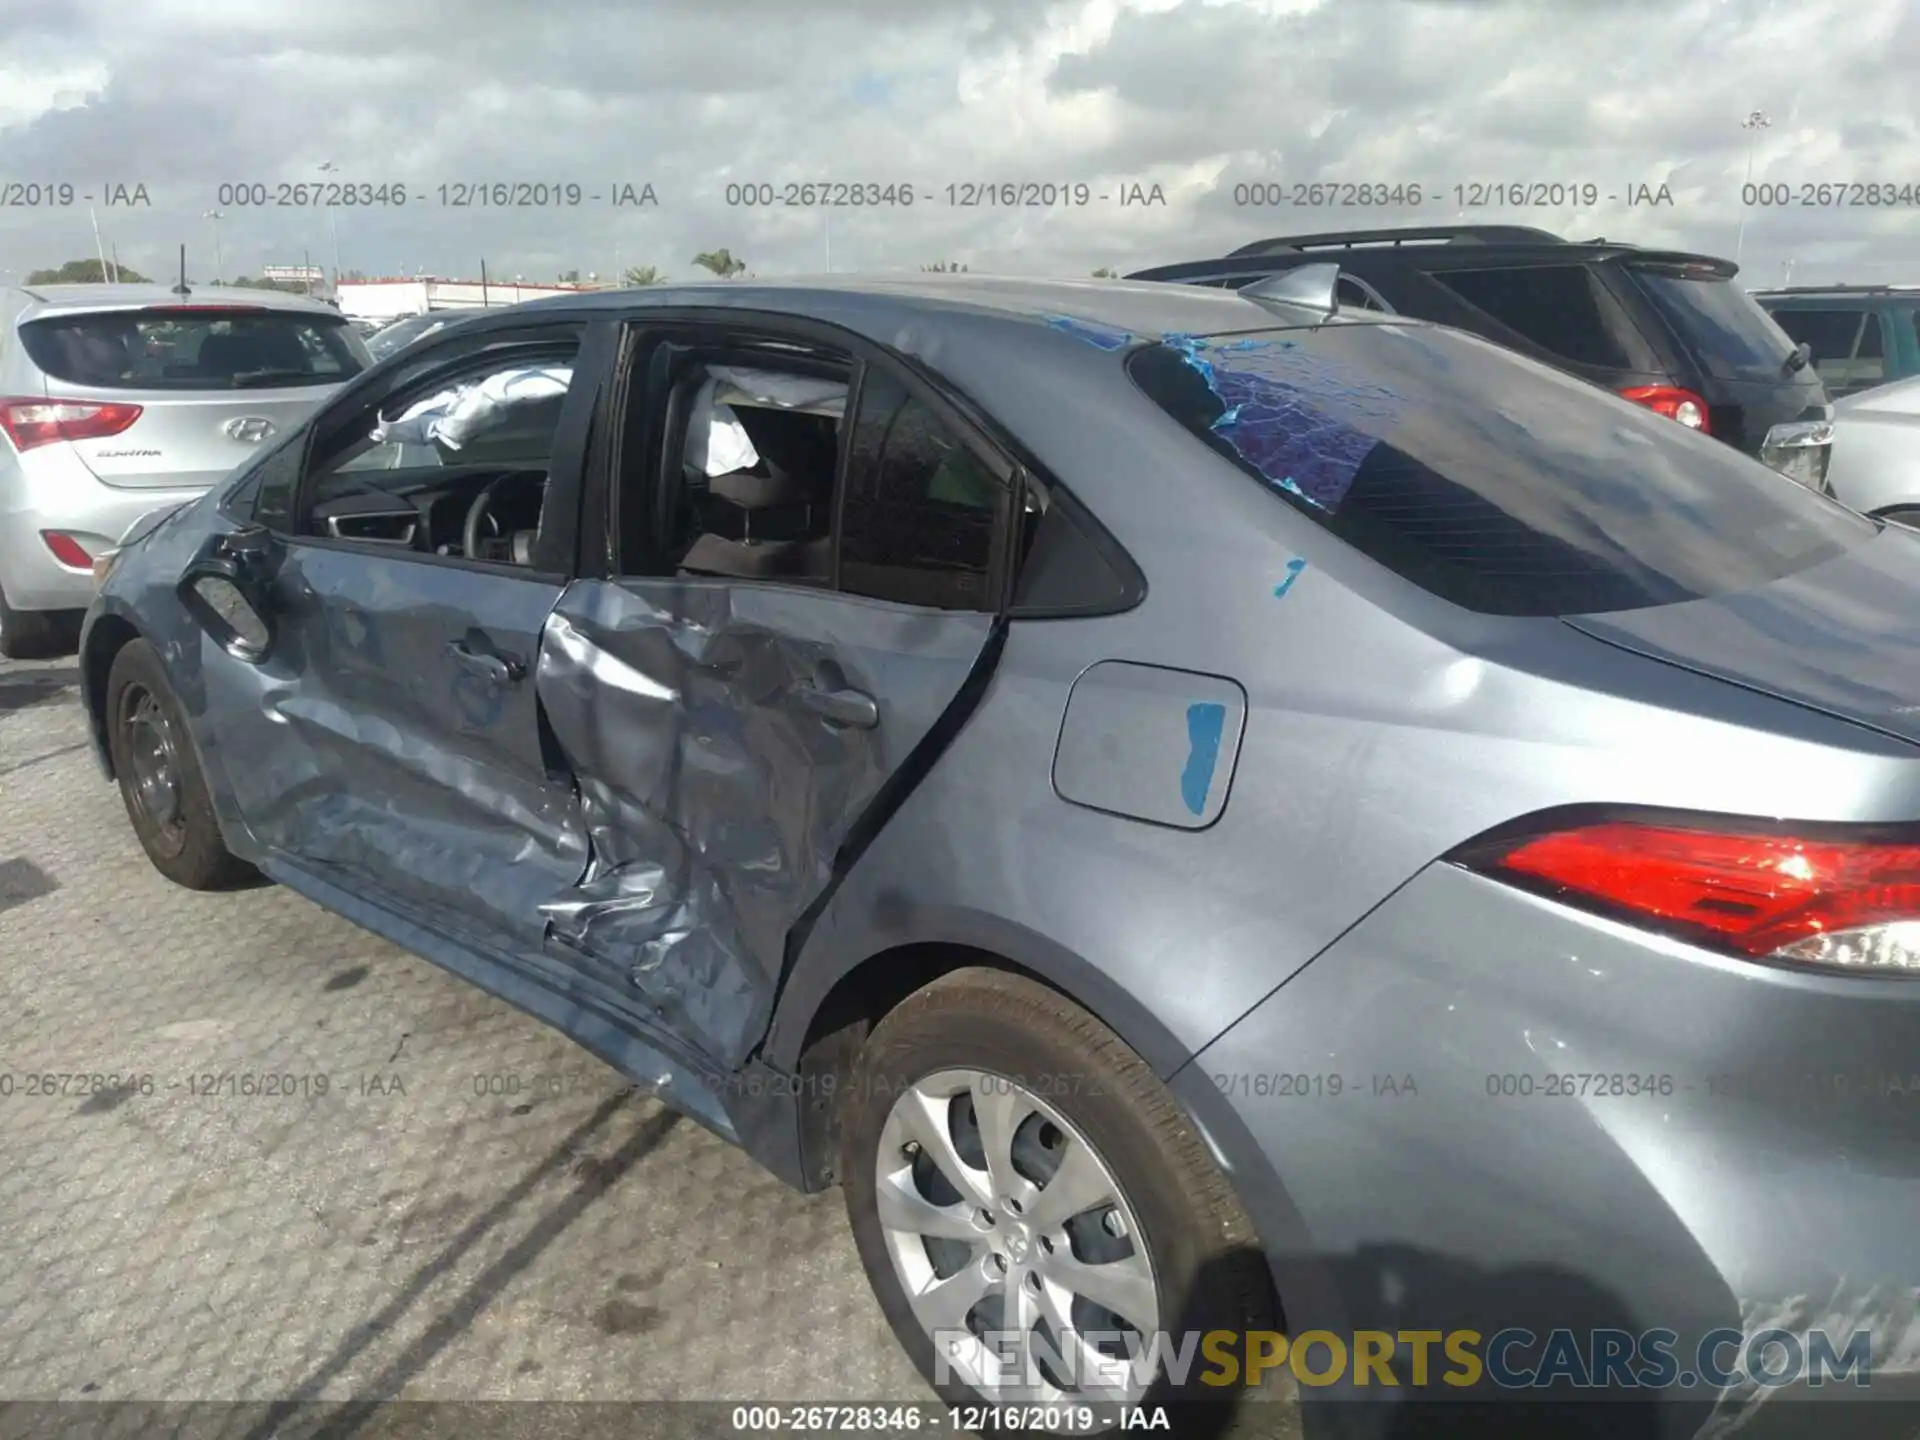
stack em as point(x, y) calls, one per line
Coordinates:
point(219, 266)
point(98, 248)
point(333, 230)
point(1755, 122)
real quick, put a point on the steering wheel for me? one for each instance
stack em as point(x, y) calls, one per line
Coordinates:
point(477, 513)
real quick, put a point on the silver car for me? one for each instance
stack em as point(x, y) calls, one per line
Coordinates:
point(1196, 811)
point(1876, 451)
point(116, 400)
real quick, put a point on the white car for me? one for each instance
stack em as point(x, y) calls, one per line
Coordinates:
point(1875, 465)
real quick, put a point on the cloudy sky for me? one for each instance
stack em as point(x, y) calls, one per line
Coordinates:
point(1202, 98)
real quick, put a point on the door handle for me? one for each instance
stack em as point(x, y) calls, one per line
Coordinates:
point(854, 709)
point(494, 668)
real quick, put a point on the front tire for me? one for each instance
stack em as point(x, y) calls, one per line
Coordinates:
point(1013, 1169)
point(159, 776)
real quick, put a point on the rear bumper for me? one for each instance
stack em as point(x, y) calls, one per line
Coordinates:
point(1481, 1111)
point(50, 489)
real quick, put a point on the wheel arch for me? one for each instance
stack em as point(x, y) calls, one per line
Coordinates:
point(852, 983)
point(107, 634)
point(820, 1027)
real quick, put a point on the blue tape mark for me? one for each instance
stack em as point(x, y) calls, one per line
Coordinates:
point(1101, 337)
point(1304, 422)
point(1294, 567)
point(1206, 723)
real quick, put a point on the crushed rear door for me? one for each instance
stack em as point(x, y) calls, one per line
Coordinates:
point(731, 741)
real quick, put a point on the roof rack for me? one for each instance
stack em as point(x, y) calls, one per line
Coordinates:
point(1839, 290)
point(1428, 234)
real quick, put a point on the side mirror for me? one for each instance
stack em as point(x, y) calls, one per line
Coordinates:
point(216, 594)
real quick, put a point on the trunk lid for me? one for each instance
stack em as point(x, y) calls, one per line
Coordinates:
point(187, 441)
point(1838, 637)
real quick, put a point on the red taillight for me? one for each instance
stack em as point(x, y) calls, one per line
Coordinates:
point(1851, 904)
point(41, 422)
point(67, 550)
point(1671, 401)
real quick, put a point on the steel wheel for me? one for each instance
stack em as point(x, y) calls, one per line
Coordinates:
point(153, 753)
point(1014, 1243)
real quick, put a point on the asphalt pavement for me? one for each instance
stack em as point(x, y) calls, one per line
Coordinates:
point(327, 1169)
point(251, 1154)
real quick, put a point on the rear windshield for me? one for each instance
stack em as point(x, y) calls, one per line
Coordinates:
point(1727, 329)
point(1496, 483)
point(195, 349)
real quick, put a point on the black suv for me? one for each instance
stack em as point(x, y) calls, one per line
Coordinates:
point(1663, 328)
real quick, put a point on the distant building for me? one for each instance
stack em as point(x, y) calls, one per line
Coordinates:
point(417, 294)
point(311, 276)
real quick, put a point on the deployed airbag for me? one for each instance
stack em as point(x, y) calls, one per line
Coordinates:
point(454, 416)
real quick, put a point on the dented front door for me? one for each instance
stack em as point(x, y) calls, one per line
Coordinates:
point(392, 738)
point(726, 738)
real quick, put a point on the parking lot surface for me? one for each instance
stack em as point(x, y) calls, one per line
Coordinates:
point(473, 1208)
point(251, 1153)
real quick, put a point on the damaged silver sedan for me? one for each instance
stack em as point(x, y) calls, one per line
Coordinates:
point(1123, 779)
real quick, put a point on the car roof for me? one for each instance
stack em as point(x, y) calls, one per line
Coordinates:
point(45, 300)
point(880, 302)
point(1439, 246)
point(1841, 292)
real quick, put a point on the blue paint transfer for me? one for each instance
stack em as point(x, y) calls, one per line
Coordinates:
point(1294, 567)
point(1206, 724)
point(1304, 422)
point(1101, 337)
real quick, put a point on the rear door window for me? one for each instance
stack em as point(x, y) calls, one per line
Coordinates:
point(1564, 309)
point(921, 508)
point(1726, 330)
point(195, 348)
point(1502, 487)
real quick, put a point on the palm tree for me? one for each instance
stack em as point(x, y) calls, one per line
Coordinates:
point(720, 262)
point(945, 267)
point(1103, 273)
point(636, 275)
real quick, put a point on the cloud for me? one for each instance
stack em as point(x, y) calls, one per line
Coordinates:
point(187, 96)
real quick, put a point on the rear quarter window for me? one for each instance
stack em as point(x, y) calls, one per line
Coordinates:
point(194, 349)
point(1493, 482)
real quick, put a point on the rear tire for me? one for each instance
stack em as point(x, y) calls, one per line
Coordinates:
point(1148, 1212)
point(159, 775)
point(35, 634)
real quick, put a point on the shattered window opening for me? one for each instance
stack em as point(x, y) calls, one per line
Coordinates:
point(753, 471)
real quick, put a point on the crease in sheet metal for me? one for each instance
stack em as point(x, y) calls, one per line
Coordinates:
point(714, 799)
